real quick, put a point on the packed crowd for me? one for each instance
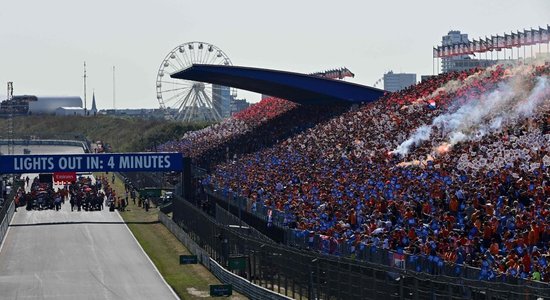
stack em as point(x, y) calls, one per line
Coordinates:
point(476, 194)
point(443, 169)
point(260, 126)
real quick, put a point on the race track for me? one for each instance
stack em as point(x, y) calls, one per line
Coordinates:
point(75, 255)
point(52, 254)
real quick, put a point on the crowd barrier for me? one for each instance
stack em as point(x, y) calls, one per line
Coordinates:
point(225, 217)
point(239, 284)
point(269, 215)
point(417, 264)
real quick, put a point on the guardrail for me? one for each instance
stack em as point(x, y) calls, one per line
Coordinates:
point(28, 142)
point(6, 214)
point(240, 284)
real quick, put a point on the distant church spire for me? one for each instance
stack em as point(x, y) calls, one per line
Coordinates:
point(94, 107)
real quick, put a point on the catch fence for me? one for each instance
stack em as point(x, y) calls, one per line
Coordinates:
point(305, 240)
point(307, 274)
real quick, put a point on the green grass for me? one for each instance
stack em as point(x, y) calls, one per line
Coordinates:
point(188, 281)
point(122, 133)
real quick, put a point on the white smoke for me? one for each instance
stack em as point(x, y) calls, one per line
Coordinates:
point(454, 85)
point(420, 134)
point(513, 100)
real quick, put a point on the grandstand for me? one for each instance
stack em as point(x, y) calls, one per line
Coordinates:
point(450, 176)
point(454, 169)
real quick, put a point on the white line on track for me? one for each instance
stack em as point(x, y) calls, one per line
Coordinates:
point(7, 231)
point(148, 258)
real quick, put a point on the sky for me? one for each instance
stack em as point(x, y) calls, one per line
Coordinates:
point(44, 43)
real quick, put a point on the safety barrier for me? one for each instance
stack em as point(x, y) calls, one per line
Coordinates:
point(6, 214)
point(184, 238)
point(240, 284)
point(28, 142)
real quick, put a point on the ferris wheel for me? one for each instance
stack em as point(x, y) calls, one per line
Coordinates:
point(190, 100)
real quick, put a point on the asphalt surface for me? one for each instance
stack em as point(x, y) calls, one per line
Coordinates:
point(75, 255)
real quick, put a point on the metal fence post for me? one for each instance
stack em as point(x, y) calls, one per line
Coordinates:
point(416, 293)
point(318, 279)
point(310, 285)
point(401, 290)
point(450, 291)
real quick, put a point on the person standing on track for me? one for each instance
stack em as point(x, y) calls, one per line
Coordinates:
point(79, 203)
point(57, 202)
point(122, 204)
point(146, 204)
point(71, 201)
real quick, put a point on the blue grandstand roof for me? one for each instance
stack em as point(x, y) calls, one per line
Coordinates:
point(300, 88)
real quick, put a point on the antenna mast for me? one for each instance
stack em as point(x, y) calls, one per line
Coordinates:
point(85, 108)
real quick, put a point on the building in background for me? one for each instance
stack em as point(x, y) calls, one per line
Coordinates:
point(221, 100)
point(29, 104)
point(238, 105)
point(425, 77)
point(49, 105)
point(93, 111)
point(460, 62)
point(18, 105)
point(397, 81)
point(69, 111)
